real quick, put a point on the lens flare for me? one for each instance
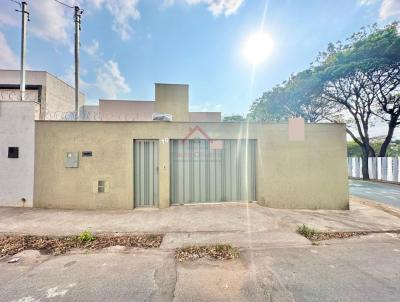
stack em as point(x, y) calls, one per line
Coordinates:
point(258, 47)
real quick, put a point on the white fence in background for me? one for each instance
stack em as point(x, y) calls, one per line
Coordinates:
point(380, 168)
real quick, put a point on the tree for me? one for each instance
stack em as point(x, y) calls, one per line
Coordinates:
point(357, 83)
point(377, 55)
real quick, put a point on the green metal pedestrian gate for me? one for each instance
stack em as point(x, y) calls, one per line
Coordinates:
point(212, 170)
point(146, 173)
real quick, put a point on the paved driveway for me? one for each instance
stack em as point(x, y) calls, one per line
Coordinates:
point(380, 192)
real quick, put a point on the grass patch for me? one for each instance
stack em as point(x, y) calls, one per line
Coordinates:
point(13, 244)
point(306, 231)
point(86, 237)
point(316, 236)
point(214, 252)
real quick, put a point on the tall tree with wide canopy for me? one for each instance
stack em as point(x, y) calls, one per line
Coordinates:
point(357, 83)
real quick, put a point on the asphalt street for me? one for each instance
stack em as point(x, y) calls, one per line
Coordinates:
point(357, 269)
point(379, 192)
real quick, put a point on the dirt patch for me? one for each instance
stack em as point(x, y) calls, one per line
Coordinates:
point(319, 236)
point(13, 244)
point(214, 252)
point(315, 235)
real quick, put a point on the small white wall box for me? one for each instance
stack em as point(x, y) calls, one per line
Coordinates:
point(71, 160)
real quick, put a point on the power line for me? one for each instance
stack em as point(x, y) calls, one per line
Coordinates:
point(19, 3)
point(77, 20)
point(62, 3)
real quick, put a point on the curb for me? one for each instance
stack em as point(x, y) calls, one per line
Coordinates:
point(378, 181)
point(377, 205)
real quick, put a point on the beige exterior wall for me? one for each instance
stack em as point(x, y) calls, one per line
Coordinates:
point(307, 174)
point(173, 99)
point(205, 116)
point(118, 110)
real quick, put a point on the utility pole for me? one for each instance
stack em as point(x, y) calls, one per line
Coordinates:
point(77, 19)
point(24, 17)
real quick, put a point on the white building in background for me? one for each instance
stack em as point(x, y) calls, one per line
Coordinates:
point(54, 99)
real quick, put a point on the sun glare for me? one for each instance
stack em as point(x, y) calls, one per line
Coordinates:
point(258, 47)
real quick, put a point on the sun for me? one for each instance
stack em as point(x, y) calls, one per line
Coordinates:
point(258, 47)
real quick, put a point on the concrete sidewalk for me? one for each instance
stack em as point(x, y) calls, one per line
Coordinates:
point(243, 225)
point(275, 263)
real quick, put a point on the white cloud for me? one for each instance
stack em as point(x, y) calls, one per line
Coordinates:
point(389, 8)
point(367, 2)
point(49, 20)
point(110, 81)
point(216, 7)
point(8, 59)
point(92, 49)
point(52, 21)
point(8, 15)
point(122, 11)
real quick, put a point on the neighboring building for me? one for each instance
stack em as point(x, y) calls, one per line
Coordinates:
point(119, 110)
point(171, 97)
point(124, 164)
point(54, 99)
point(17, 153)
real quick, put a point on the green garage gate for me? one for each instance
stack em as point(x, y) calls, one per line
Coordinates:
point(212, 170)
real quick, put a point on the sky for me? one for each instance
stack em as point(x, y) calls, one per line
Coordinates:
point(128, 45)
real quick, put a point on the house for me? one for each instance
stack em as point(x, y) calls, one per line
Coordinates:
point(46, 98)
point(130, 164)
point(53, 98)
point(134, 110)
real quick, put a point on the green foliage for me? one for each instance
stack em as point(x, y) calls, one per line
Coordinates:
point(86, 237)
point(234, 118)
point(306, 231)
point(354, 150)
